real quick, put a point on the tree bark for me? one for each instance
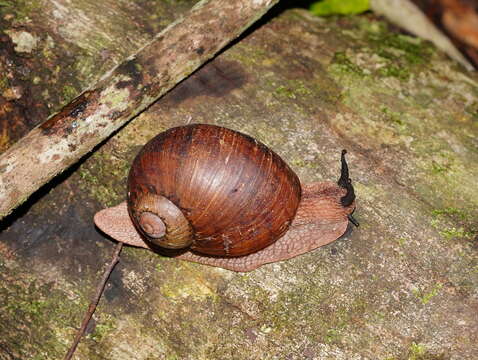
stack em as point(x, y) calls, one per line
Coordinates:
point(121, 94)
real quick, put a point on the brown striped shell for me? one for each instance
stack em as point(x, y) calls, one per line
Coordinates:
point(214, 190)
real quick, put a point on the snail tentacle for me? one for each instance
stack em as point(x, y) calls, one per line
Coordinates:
point(353, 220)
point(346, 183)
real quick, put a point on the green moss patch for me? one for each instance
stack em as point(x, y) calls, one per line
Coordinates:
point(43, 316)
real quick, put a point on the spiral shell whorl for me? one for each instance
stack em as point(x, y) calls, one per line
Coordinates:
point(160, 221)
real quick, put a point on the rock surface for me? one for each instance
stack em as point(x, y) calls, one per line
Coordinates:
point(402, 286)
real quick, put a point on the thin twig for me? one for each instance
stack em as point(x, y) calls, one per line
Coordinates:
point(95, 300)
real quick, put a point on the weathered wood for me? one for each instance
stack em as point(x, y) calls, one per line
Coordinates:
point(121, 94)
point(402, 286)
point(458, 19)
point(407, 15)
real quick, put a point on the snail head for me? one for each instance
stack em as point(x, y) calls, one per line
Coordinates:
point(327, 201)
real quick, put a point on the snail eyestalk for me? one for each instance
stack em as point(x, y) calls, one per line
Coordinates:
point(346, 183)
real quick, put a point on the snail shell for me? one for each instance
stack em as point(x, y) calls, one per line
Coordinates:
point(212, 190)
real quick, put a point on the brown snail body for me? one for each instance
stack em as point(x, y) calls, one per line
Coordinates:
point(226, 199)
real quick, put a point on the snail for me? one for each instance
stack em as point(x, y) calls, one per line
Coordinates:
point(215, 196)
